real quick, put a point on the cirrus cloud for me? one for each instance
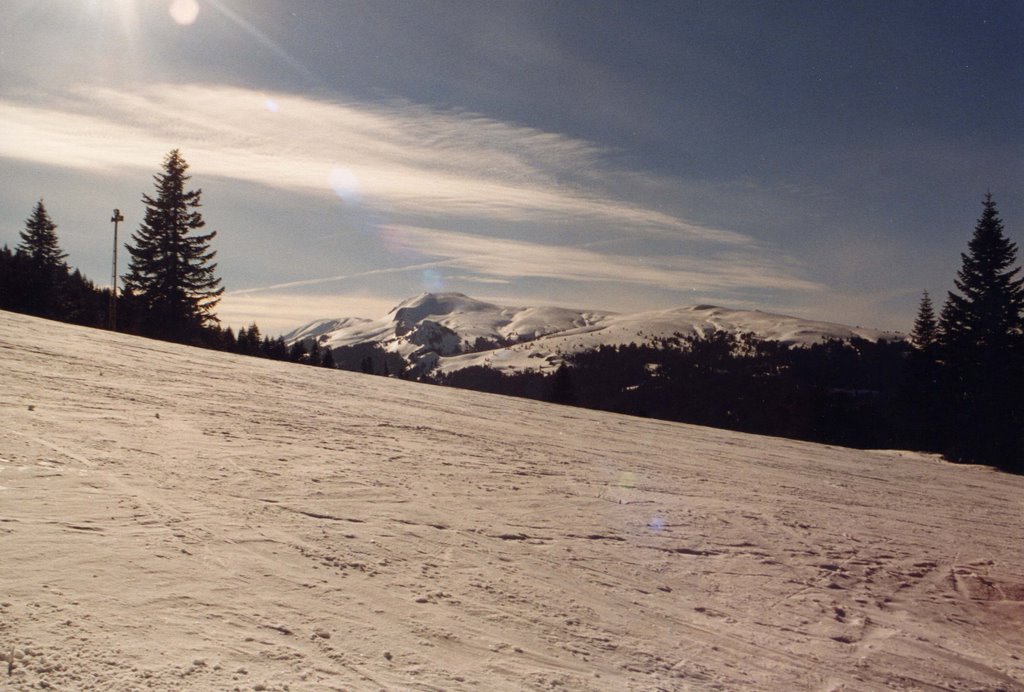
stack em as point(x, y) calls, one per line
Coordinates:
point(488, 202)
point(398, 157)
point(501, 258)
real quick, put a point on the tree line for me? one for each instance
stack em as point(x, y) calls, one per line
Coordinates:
point(36, 280)
point(171, 288)
point(956, 387)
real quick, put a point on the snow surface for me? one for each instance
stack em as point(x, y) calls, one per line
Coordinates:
point(173, 518)
point(536, 338)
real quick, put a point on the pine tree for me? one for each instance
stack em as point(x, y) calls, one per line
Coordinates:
point(297, 352)
point(981, 338)
point(988, 314)
point(44, 263)
point(228, 341)
point(171, 271)
point(327, 360)
point(925, 415)
point(926, 329)
point(278, 349)
point(39, 240)
point(250, 342)
point(241, 341)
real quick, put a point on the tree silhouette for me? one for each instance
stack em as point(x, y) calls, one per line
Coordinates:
point(924, 413)
point(926, 328)
point(43, 263)
point(297, 352)
point(562, 390)
point(39, 240)
point(327, 360)
point(171, 272)
point(981, 331)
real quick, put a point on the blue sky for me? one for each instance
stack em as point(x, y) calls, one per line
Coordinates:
point(824, 159)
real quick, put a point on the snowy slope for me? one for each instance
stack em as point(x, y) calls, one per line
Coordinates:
point(440, 329)
point(173, 518)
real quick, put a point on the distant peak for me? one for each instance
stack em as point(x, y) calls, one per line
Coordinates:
point(427, 298)
point(436, 305)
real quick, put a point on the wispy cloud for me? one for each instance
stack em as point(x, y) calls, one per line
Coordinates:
point(474, 279)
point(500, 258)
point(276, 313)
point(425, 175)
point(398, 157)
point(303, 283)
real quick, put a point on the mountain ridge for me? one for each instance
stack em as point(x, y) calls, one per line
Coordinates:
point(451, 331)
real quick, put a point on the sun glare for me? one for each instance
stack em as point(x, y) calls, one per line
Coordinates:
point(184, 12)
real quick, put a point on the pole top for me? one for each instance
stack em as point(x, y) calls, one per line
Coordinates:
point(117, 216)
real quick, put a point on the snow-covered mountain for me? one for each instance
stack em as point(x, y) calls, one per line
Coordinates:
point(451, 331)
point(175, 518)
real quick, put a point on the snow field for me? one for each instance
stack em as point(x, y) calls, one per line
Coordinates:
point(175, 518)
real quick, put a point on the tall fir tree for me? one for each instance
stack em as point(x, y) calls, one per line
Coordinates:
point(925, 416)
point(988, 313)
point(39, 239)
point(981, 337)
point(926, 328)
point(43, 263)
point(171, 280)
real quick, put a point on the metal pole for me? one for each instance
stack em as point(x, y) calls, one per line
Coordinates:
point(112, 311)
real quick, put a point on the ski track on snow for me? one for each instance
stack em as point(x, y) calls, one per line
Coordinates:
point(174, 518)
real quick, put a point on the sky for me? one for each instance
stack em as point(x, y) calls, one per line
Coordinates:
point(820, 159)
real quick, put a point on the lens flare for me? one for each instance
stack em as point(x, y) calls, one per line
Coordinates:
point(432, 280)
point(184, 12)
point(345, 184)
